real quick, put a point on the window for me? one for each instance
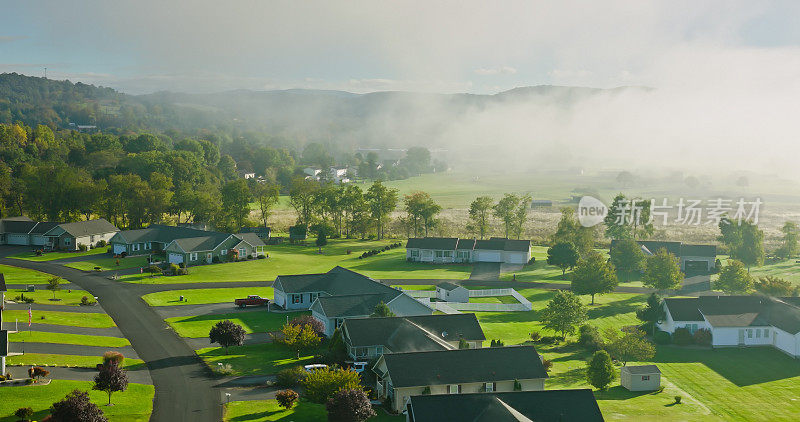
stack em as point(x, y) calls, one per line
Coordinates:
point(242, 252)
point(489, 387)
point(645, 377)
point(448, 254)
point(209, 256)
point(297, 298)
point(766, 333)
point(67, 241)
point(148, 245)
point(454, 389)
point(379, 350)
point(749, 333)
point(439, 254)
point(691, 327)
point(223, 252)
point(193, 256)
point(415, 253)
point(758, 333)
point(136, 246)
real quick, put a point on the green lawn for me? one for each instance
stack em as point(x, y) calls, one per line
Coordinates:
point(15, 275)
point(62, 338)
point(135, 404)
point(76, 319)
point(787, 270)
point(51, 256)
point(201, 296)
point(45, 359)
point(253, 321)
point(297, 259)
point(256, 359)
point(268, 410)
point(42, 295)
point(107, 264)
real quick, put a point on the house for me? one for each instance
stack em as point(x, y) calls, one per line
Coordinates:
point(339, 175)
point(695, 258)
point(18, 231)
point(185, 245)
point(340, 294)
point(368, 338)
point(541, 406)
point(312, 172)
point(248, 176)
point(492, 369)
point(450, 292)
point(70, 236)
point(640, 378)
point(451, 249)
point(261, 232)
point(541, 203)
point(738, 320)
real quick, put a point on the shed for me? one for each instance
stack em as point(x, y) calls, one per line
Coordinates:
point(450, 292)
point(640, 378)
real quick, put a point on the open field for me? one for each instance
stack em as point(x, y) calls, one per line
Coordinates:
point(202, 296)
point(44, 359)
point(14, 275)
point(135, 404)
point(268, 410)
point(63, 338)
point(51, 256)
point(75, 319)
point(253, 321)
point(256, 359)
point(42, 295)
point(788, 270)
point(107, 264)
point(298, 259)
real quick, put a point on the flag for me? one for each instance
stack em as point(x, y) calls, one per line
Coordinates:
point(141, 270)
point(30, 316)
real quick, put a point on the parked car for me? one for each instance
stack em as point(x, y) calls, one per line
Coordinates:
point(357, 366)
point(251, 300)
point(314, 366)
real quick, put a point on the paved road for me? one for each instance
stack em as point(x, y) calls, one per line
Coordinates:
point(184, 391)
point(139, 376)
point(204, 309)
point(68, 349)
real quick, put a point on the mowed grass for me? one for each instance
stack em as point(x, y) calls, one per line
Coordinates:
point(15, 275)
point(297, 259)
point(253, 321)
point(540, 271)
point(41, 295)
point(109, 263)
point(135, 404)
point(303, 410)
point(256, 359)
point(63, 338)
point(202, 296)
point(75, 319)
point(69, 361)
point(52, 256)
point(788, 270)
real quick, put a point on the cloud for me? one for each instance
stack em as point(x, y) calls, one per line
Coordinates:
point(504, 70)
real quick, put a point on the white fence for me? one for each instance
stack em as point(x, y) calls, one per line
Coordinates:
point(524, 304)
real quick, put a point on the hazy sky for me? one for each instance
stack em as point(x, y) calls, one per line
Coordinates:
point(361, 46)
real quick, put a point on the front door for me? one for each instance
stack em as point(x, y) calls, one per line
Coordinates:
point(741, 337)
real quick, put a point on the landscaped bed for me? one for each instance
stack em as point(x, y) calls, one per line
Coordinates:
point(75, 319)
point(135, 404)
point(63, 338)
point(257, 320)
point(51, 256)
point(42, 295)
point(203, 296)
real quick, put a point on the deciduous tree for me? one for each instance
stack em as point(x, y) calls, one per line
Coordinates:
point(563, 255)
point(734, 278)
point(111, 378)
point(350, 405)
point(662, 271)
point(593, 275)
point(479, 213)
point(628, 345)
point(227, 333)
point(563, 313)
point(600, 371)
point(299, 337)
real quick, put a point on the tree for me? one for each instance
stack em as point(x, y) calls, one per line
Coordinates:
point(569, 230)
point(563, 255)
point(227, 333)
point(662, 271)
point(505, 210)
point(652, 312)
point(479, 211)
point(630, 345)
point(463, 344)
point(267, 195)
point(734, 278)
point(593, 275)
point(113, 357)
point(520, 216)
point(381, 201)
point(76, 406)
point(421, 208)
point(563, 313)
point(617, 219)
point(744, 240)
point(111, 378)
point(299, 337)
point(302, 193)
point(235, 203)
point(350, 405)
point(309, 320)
point(600, 371)
point(789, 242)
point(322, 239)
point(54, 285)
point(627, 256)
point(286, 398)
point(381, 311)
point(321, 384)
point(775, 286)
point(24, 413)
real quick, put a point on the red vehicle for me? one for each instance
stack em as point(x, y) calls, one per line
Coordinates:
point(252, 300)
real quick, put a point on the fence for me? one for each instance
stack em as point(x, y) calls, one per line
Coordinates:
point(524, 304)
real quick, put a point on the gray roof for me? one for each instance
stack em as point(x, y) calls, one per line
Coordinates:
point(440, 243)
point(18, 226)
point(251, 238)
point(413, 333)
point(466, 244)
point(699, 250)
point(202, 243)
point(684, 309)
point(89, 227)
point(737, 311)
point(448, 286)
point(338, 281)
point(676, 248)
point(541, 406)
point(489, 364)
point(641, 369)
point(162, 234)
point(349, 305)
point(453, 243)
point(43, 227)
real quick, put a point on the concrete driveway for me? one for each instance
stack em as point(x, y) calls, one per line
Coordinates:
point(485, 271)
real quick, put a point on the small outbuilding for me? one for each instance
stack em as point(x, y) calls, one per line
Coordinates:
point(450, 292)
point(640, 378)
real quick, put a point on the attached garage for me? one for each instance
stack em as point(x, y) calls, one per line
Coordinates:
point(488, 256)
point(696, 266)
point(38, 240)
point(516, 258)
point(175, 258)
point(118, 249)
point(17, 239)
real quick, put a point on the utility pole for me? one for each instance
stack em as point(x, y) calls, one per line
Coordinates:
point(45, 73)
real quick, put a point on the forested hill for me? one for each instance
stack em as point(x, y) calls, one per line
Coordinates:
point(386, 118)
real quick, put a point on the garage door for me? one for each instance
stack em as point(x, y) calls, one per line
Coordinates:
point(175, 258)
point(37, 240)
point(118, 249)
point(488, 256)
point(17, 239)
point(516, 258)
point(696, 266)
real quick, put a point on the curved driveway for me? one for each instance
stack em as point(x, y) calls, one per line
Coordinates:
point(184, 391)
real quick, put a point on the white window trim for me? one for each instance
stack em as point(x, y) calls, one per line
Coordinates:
point(452, 387)
point(193, 256)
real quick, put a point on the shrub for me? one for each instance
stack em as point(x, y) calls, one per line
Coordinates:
point(262, 256)
point(24, 413)
point(321, 384)
point(547, 364)
point(182, 265)
point(600, 371)
point(249, 257)
point(678, 399)
point(154, 269)
point(113, 357)
point(77, 406)
point(662, 337)
point(22, 298)
point(224, 369)
point(215, 259)
point(81, 247)
point(286, 398)
point(535, 336)
point(290, 377)
point(315, 324)
point(589, 337)
point(349, 405)
point(38, 372)
point(497, 343)
point(702, 337)
point(681, 337)
point(101, 243)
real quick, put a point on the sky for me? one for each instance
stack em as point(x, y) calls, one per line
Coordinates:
point(429, 46)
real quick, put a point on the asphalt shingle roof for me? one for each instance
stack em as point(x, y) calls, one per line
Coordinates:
point(89, 227)
point(350, 305)
point(336, 282)
point(43, 227)
point(541, 406)
point(676, 248)
point(163, 234)
point(413, 333)
point(684, 309)
point(203, 243)
point(464, 365)
point(448, 286)
point(641, 369)
point(453, 243)
point(443, 243)
point(737, 311)
point(17, 226)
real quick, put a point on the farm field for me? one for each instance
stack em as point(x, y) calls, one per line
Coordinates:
point(133, 405)
point(52, 256)
point(15, 275)
point(75, 319)
point(253, 321)
point(63, 338)
point(203, 296)
point(268, 410)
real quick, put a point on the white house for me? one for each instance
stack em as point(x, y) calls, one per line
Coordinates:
point(738, 320)
point(700, 258)
point(455, 250)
